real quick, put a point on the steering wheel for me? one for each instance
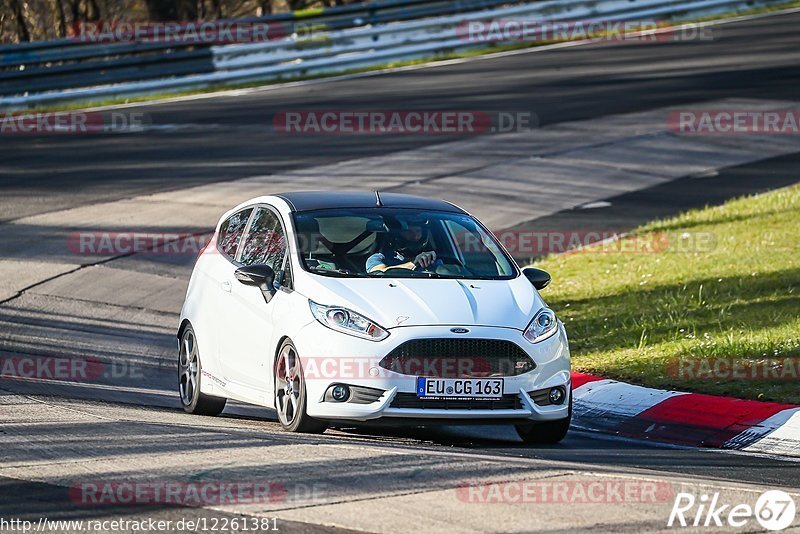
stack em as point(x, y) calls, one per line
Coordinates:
point(449, 259)
point(443, 260)
point(393, 271)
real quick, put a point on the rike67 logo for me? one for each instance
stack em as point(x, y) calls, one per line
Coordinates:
point(773, 510)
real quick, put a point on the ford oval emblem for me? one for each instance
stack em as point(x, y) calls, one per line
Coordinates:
point(459, 330)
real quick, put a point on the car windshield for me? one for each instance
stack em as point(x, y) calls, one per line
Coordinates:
point(393, 242)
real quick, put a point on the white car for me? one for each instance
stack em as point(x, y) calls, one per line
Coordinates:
point(371, 307)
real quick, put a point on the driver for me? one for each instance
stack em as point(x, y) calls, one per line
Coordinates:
point(405, 248)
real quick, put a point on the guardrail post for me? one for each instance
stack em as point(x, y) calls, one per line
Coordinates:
point(373, 14)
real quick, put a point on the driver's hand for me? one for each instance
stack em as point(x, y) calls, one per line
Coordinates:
point(425, 259)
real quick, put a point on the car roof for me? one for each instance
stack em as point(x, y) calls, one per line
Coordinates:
point(317, 200)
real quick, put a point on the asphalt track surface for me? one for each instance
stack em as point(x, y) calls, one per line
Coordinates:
point(226, 138)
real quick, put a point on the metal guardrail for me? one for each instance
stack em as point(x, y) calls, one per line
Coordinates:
point(70, 63)
point(329, 50)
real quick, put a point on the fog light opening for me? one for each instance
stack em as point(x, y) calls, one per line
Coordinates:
point(340, 392)
point(557, 395)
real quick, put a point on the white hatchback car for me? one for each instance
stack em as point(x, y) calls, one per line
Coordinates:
point(371, 307)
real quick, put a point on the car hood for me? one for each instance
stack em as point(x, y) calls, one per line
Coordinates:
point(400, 302)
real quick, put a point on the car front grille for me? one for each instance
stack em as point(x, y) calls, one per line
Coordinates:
point(411, 401)
point(458, 358)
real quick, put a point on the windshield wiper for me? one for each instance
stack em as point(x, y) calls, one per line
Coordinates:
point(422, 274)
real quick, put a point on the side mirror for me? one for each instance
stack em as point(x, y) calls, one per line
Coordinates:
point(258, 275)
point(539, 278)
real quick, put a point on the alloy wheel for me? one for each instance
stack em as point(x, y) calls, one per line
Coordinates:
point(288, 385)
point(188, 368)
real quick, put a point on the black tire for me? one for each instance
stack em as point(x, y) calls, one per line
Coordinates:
point(293, 417)
point(547, 433)
point(193, 401)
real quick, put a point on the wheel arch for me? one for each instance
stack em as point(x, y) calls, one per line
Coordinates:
point(182, 327)
point(283, 339)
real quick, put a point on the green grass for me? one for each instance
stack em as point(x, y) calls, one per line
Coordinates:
point(721, 282)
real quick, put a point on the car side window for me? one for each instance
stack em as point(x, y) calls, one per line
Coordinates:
point(230, 232)
point(265, 242)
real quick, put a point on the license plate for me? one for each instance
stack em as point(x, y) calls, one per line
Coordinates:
point(459, 388)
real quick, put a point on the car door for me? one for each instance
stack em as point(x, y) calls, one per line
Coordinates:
point(247, 317)
point(217, 271)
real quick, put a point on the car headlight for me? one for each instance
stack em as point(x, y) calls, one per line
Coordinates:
point(347, 321)
point(544, 325)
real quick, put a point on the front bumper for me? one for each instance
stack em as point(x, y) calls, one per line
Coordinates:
point(329, 357)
